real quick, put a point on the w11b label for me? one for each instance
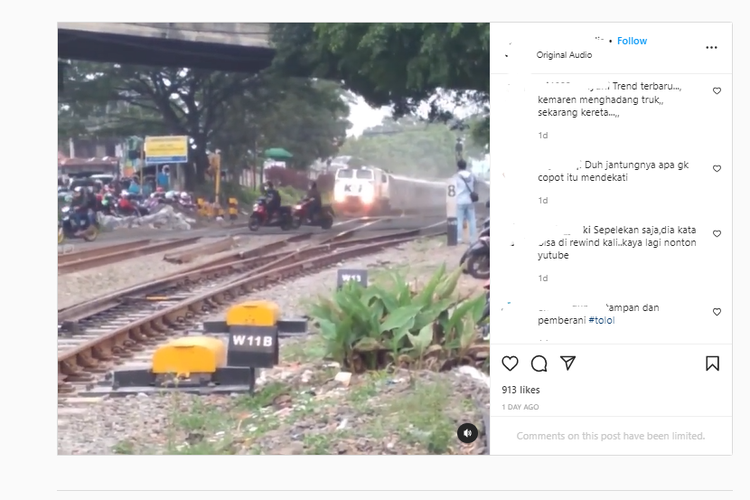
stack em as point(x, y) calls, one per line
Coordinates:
point(253, 343)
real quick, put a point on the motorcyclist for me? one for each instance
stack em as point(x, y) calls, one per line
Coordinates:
point(78, 206)
point(125, 206)
point(185, 199)
point(92, 205)
point(274, 199)
point(315, 204)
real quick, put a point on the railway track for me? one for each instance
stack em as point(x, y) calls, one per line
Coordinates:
point(95, 257)
point(126, 326)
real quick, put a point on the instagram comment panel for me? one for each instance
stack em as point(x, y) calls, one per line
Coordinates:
point(612, 261)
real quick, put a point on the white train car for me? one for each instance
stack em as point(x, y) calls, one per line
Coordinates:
point(371, 190)
point(361, 190)
point(410, 194)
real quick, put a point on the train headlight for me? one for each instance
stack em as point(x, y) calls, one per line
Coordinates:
point(366, 198)
point(339, 197)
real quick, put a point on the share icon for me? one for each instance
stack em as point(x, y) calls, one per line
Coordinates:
point(568, 360)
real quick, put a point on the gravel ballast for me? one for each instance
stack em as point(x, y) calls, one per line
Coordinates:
point(306, 409)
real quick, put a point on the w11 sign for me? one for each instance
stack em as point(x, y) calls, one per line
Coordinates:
point(345, 275)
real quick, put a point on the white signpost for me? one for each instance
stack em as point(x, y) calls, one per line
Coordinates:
point(451, 211)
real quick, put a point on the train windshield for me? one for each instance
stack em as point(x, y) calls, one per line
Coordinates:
point(344, 173)
point(364, 174)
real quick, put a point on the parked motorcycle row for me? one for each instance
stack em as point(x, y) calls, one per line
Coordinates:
point(81, 222)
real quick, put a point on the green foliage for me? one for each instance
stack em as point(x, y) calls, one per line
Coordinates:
point(394, 64)
point(409, 147)
point(374, 327)
point(237, 113)
point(247, 196)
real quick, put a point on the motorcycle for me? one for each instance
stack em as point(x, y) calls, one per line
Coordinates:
point(323, 218)
point(68, 228)
point(477, 256)
point(127, 206)
point(261, 217)
point(476, 259)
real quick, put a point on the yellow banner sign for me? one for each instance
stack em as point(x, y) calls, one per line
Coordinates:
point(167, 149)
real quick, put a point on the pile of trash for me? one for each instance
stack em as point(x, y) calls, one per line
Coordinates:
point(164, 218)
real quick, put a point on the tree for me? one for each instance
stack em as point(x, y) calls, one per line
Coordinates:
point(402, 65)
point(229, 111)
point(307, 118)
point(409, 147)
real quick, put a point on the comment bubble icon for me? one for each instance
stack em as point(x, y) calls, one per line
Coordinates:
point(539, 364)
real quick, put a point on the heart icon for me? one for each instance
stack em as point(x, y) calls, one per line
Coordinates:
point(717, 168)
point(717, 311)
point(717, 233)
point(510, 362)
point(717, 90)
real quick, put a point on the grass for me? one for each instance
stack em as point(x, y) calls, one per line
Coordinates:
point(124, 447)
point(402, 412)
point(307, 350)
point(418, 417)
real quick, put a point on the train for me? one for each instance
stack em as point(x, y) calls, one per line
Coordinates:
point(373, 191)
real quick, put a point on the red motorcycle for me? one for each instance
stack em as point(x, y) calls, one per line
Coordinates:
point(300, 215)
point(262, 218)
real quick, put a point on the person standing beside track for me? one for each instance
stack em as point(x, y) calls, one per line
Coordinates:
point(465, 199)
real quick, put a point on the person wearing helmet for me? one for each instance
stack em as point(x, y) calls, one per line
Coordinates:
point(126, 208)
point(185, 199)
point(314, 196)
point(79, 206)
point(274, 199)
point(92, 206)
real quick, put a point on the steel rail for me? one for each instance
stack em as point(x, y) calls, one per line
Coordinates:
point(79, 311)
point(95, 252)
point(118, 343)
point(209, 248)
point(113, 257)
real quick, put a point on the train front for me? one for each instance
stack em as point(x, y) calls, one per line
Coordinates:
point(354, 191)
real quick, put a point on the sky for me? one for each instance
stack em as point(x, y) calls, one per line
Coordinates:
point(363, 117)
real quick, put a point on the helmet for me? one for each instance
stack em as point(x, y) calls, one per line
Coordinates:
point(184, 196)
point(77, 189)
point(169, 195)
point(160, 189)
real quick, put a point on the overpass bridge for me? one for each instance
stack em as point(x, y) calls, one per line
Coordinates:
point(240, 47)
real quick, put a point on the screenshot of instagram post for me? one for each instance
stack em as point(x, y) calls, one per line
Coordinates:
point(265, 248)
point(614, 244)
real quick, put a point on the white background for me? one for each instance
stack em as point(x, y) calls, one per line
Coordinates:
point(643, 364)
point(29, 419)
